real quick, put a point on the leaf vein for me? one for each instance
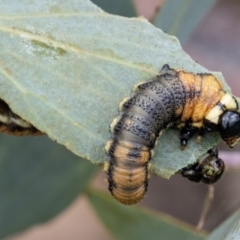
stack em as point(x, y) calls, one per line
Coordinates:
point(76, 50)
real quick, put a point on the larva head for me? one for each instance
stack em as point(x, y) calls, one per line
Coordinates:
point(229, 127)
point(212, 169)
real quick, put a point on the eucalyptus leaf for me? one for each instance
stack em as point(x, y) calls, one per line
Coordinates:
point(136, 223)
point(228, 230)
point(180, 18)
point(38, 179)
point(65, 66)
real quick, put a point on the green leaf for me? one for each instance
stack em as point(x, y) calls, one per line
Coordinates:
point(65, 66)
point(119, 7)
point(126, 222)
point(38, 179)
point(228, 230)
point(180, 18)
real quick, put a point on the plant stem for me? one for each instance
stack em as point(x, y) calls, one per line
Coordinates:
point(206, 207)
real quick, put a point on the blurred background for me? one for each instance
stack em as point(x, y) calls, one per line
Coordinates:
point(214, 42)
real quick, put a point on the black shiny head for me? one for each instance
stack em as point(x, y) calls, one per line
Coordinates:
point(229, 127)
point(208, 169)
point(212, 169)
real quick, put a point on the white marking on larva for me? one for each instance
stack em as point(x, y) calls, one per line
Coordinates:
point(161, 132)
point(114, 123)
point(4, 119)
point(106, 166)
point(107, 147)
point(181, 125)
point(149, 165)
point(229, 101)
point(20, 122)
point(156, 142)
point(128, 122)
point(170, 125)
point(135, 87)
point(197, 124)
point(214, 114)
point(152, 153)
point(120, 106)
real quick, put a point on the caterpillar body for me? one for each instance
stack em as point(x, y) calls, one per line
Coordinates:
point(189, 101)
point(12, 124)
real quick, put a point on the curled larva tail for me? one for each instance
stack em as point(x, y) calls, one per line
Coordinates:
point(142, 117)
point(127, 171)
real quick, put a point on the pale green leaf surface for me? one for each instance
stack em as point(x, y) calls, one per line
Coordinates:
point(65, 66)
point(228, 230)
point(180, 18)
point(38, 179)
point(136, 223)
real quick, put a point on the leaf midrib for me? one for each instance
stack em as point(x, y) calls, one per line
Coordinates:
point(71, 48)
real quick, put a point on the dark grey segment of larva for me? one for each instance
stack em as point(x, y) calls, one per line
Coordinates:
point(136, 128)
point(151, 107)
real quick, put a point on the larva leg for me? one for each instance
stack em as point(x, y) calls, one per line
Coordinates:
point(186, 133)
point(200, 136)
point(165, 68)
point(213, 152)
